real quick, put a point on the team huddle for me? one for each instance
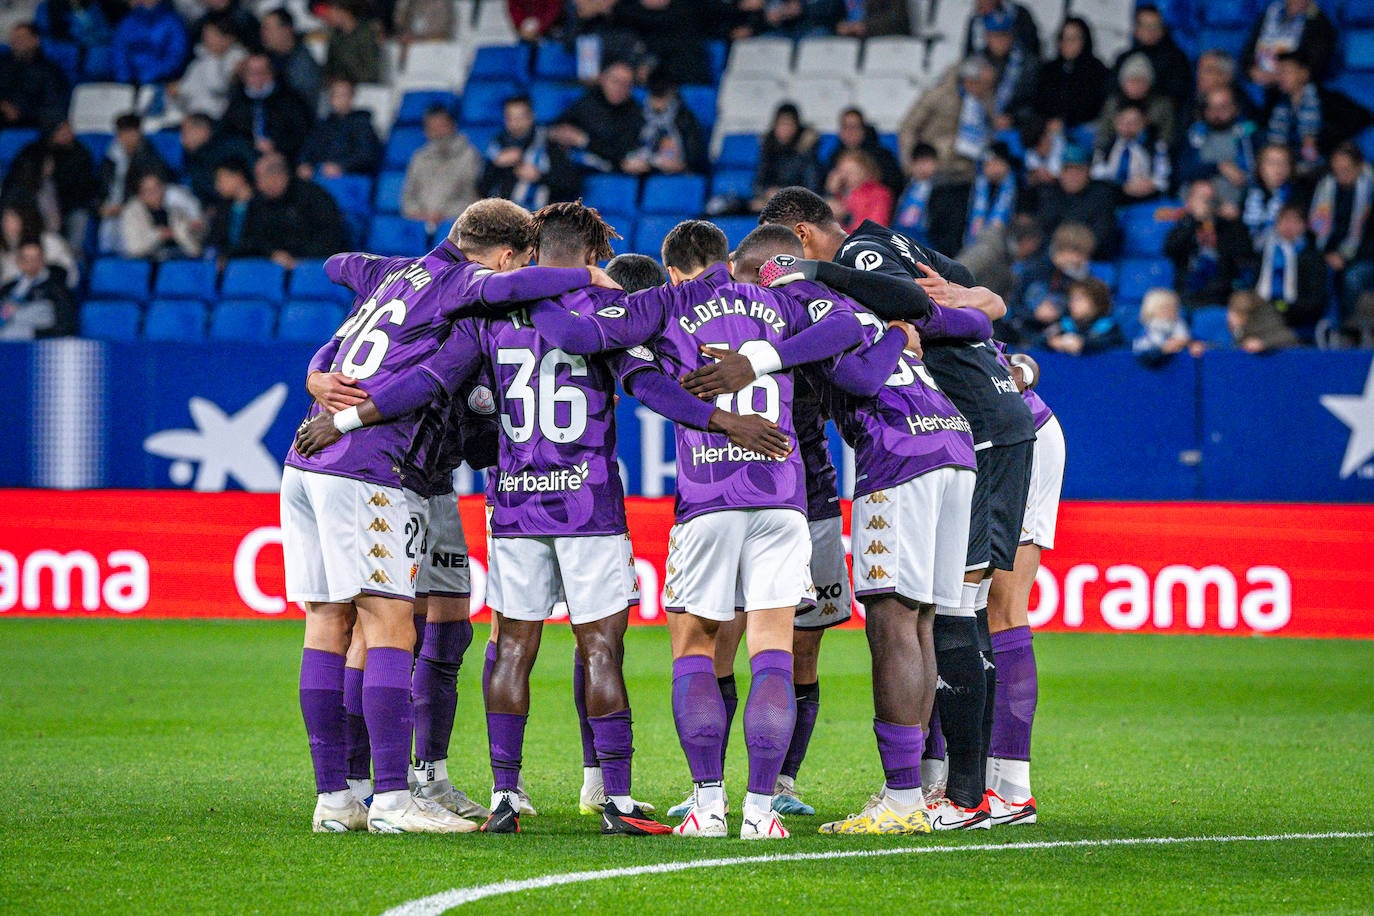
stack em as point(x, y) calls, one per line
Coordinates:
point(469, 355)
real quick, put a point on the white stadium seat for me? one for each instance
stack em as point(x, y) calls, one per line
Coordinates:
point(761, 57)
point(821, 99)
point(434, 65)
point(493, 25)
point(381, 101)
point(884, 100)
point(894, 55)
point(837, 56)
point(746, 103)
point(96, 105)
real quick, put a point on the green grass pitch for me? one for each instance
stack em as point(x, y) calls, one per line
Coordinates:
point(159, 767)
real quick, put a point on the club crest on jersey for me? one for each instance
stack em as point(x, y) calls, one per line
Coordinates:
point(868, 260)
point(482, 401)
point(641, 353)
point(819, 308)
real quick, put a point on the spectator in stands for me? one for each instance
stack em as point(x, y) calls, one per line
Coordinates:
point(150, 43)
point(36, 303)
point(233, 193)
point(82, 23)
point(127, 160)
point(882, 17)
point(1044, 161)
point(1255, 326)
point(1136, 85)
point(1072, 87)
point(1341, 222)
point(674, 34)
point(57, 175)
point(426, 20)
point(1170, 66)
point(205, 85)
point(791, 18)
point(856, 193)
point(1041, 295)
point(162, 221)
point(1024, 31)
point(33, 89)
point(267, 113)
point(961, 213)
point(1018, 72)
point(856, 133)
point(1133, 161)
point(518, 163)
point(355, 48)
point(22, 224)
point(343, 141)
point(602, 128)
point(1220, 148)
point(1293, 277)
point(1215, 70)
point(1309, 120)
point(787, 157)
point(1076, 198)
point(241, 22)
point(955, 117)
point(442, 177)
point(1271, 188)
point(203, 149)
point(288, 218)
point(1089, 327)
point(911, 217)
point(600, 39)
point(533, 19)
point(671, 141)
point(295, 67)
point(1163, 332)
point(1210, 253)
point(1288, 25)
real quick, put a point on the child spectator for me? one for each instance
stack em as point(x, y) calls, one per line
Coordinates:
point(162, 222)
point(1271, 188)
point(1045, 148)
point(855, 192)
point(1132, 160)
point(343, 142)
point(856, 133)
point(204, 87)
point(912, 215)
point(1255, 326)
point(1042, 294)
point(1163, 330)
point(1089, 327)
point(787, 156)
point(1209, 252)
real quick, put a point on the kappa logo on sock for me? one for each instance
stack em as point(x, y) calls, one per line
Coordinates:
point(941, 683)
point(379, 552)
point(379, 500)
point(379, 524)
point(987, 662)
point(877, 523)
point(877, 548)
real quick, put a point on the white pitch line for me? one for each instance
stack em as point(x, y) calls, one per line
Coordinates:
point(447, 900)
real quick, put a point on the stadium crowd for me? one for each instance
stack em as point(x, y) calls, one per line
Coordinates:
point(1082, 189)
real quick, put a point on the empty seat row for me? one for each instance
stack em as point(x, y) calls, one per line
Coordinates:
point(899, 55)
point(251, 278)
point(229, 319)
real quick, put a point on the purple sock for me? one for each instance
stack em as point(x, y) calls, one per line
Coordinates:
point(935, 739)
point(808, 707)
point(730, 696)
point(770, 716)
point(614, 749)
point(488, 663)
point(322, 689)
point(899, 748)
point(434, 686)
point(357, 749)
point(506, 740)
point(1017, 692)
point(419, 621)
point(390, 718)
point(589, 754)
point(699, 713)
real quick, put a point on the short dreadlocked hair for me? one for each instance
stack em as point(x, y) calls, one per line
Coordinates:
point(797, 205)
point(493, 223)
point(571, 230)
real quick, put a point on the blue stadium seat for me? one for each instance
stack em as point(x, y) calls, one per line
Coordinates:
point(396, 235)
point(1231, 40)
point(624, 224)
point(826, 146)
point(186, 280)
point(243, 319)
point(481, 135)
point(482, 101)
point(12, 141)
point(611, 193)
point(893, 143)
point(175, 319)
point(1353, 12)
point(105, 320)
point(387, 198)
point(1140, 275)
point(1209, 325)
point(500, 63)
point(739, 151)
point(1359, 50)
point(309, 281)
point(67, 56)
point(1359, 86)
point(353, 193)
point(254, 278)
point(1104, 271)
point(309, 322)
point(555, 61)
point(416, 102)
point(701, 101)
point(736, 183)
point(683, 194)
point(120, 278)
point(1143, 229)
point(649, 233)
point(168, 146)
point(717, 51)
point(96, 144)
point(551, 99)
point(1231, 13)
point(401, 145)
point(736, 227)
point(1365, 142)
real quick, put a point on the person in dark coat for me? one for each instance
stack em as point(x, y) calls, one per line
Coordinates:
point(1078, 199)
point(343, 142)
point(1309, 119)
point(1073, 86)
point(787, 157)
point(1211, 254)
point(672, 141)
point(602, 128)
point(288, 218)
point(1288, 25)
point(150, 43)
point(56, 174)
point(37, 303)
point(1173, 73)
point(33, 89)
point(267, 113)
point(1024, 30)
point(204, 150)
point(674, 32)
point(294, 65)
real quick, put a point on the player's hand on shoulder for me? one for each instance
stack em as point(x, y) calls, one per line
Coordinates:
point(602, 279)
point(316, 434)
point(730, 372)
point(784, 269)
point(752, 432)
point(334, 391)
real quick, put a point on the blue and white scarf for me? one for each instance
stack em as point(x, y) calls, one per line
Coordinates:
point(1278, 33)
point(1241, 135)
point(974, 130)
point(530, 195)
point(985, 210)
point(1279, 270)
point(1322, 215)
point(1129, 159)
point(912, 215)
point(1011, 75)
point(1293, 128)
point(1260, 210)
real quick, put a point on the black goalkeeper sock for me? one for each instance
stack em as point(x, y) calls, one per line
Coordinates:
point(990, 683)
point(960, 695)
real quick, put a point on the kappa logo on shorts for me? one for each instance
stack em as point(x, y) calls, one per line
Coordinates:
point(877, 572)
point(669, 593)
point(672, 570)
point(381, 578)
point(877, 548)
point(877, 523)
point(876, 498)
point(379, 500)
point(829, 610)
point(379, 524)
point(379, 552)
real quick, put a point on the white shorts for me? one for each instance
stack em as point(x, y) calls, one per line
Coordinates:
point(442, 551)
point(1046, 483)
point(343, 537)
point(911, 540)
point(830, 573)
point(753, 559)
point(594, 575)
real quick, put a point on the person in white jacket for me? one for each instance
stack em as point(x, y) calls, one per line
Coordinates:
point(163, 221)
point(204, 87)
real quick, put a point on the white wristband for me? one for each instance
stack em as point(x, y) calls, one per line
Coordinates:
point(762, 356)
point(345, 421)
point(1028, 372)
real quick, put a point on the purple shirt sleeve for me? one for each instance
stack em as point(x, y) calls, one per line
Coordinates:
point(458, 358)
point(358, 271)
point(667, 398)
point(565, 329)
point(324, 356)
point(864, 371)
point(955, 324)
point(578, 323)
point(529, 284)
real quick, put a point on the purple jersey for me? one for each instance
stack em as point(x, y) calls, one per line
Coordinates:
point(1040, 411)
point(889, 409)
